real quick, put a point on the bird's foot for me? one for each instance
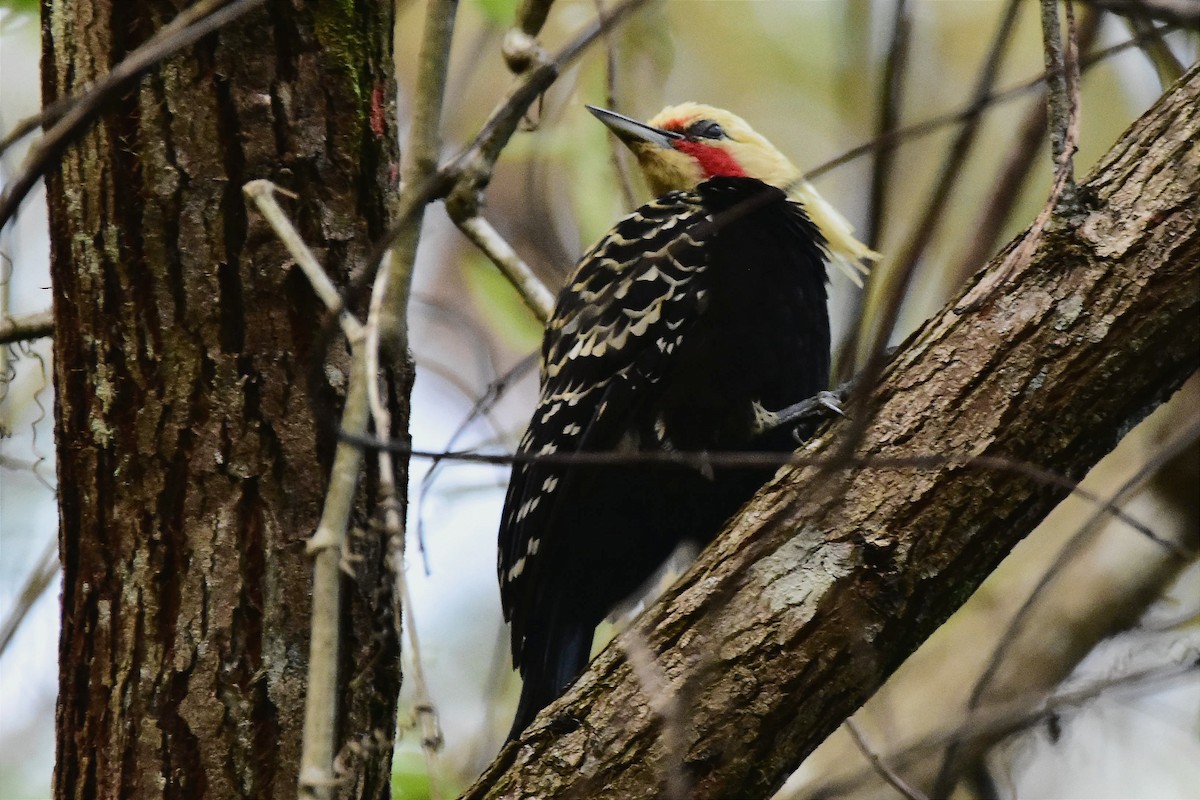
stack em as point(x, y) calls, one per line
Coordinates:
point(803, 417)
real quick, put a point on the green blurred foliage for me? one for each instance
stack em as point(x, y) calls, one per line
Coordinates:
point(500, 306)
point(20, 6)
point(410, 776)
point(498, 12)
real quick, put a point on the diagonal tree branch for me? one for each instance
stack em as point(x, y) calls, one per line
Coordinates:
point(820, 589)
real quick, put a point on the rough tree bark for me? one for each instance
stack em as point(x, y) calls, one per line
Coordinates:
point(827, 581)
point(192, 445)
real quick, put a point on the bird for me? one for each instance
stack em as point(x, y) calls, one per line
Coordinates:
point(691, 326)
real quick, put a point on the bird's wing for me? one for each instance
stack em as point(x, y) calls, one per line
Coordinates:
point(625, 310)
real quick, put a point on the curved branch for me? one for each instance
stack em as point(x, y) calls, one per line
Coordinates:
point(826, 582)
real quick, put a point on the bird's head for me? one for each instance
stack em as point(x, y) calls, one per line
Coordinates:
point(686, 144)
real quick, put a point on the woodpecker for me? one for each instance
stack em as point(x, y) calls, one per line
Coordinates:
point(688, 327)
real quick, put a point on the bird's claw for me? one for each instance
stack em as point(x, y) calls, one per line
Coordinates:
point(817, 408)
point(832, 401)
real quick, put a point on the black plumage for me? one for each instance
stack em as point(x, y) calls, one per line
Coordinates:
point(688, 315)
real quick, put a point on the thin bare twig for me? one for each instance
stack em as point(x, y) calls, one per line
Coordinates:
point(36, 583)
point(616, 151)
point(952, 763)
point(890, 101)
point(393, 523)
point(74, 117)
point(26, 327)
point(1157, 51)
point(54, 111)
point(537, 297)
point(888, 290)
point(427, 715)
point(891, 95)
point(1063, 89)
point(469, 170)
point(7, 373)
point(387, 325)
point(1187, 438)
point(757, 459)
point(881, 765)
point(418, 175)
point(934, 124)
point(25, 349)
point(328, 543)
point(472, 168)
point(262, 193)
point(1179, 12)
point(663, 702)
point(521, 48)
point(1063, 114)
point(1003, 718)
point(1013, 173)
point(481, 407)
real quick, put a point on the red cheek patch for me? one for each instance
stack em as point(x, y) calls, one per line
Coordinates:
point(714, 161)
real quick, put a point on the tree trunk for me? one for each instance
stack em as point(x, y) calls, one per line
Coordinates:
point(195, 421)
point(828, 580)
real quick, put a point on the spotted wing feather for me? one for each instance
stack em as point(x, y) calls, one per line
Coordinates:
point(624, 312)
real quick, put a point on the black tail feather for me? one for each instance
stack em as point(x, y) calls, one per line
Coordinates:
point(548, 667)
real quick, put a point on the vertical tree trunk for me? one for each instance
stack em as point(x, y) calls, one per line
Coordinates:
point(193, 447)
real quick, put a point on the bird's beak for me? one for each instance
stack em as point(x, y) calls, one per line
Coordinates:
point(630, 131)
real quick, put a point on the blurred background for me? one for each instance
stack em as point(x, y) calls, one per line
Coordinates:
point(818, 79)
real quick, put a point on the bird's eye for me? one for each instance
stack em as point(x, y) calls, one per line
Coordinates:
point(705, 129)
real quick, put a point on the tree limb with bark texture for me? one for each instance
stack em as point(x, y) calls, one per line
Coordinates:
point(829, 579)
